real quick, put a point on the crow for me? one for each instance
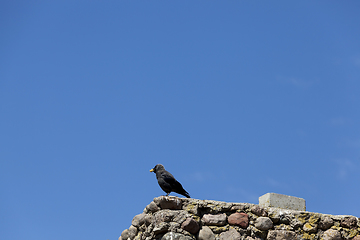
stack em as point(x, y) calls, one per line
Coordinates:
point(167, 182)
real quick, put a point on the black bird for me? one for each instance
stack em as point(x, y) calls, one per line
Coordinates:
point(167, 182)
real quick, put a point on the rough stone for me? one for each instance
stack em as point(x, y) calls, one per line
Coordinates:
point(274, 214)
point(214, 219)
point(311, 225)
point(256, 233)
point(349, 222)
point(125, 234)
point(190, 225)
point(181, 216)
point(168, 202)
point(132, 232)
point(174, 227)
point(161, 228)
point(281, 235)
point(259, 211)
point(331, 234)
point(165, 216)
point(263, 223)
point(140, 219)
point(309, 228)
point(152, 207)
point(175, 236)
point(192, 208)
point(239, 219)
point(205, 233)
point(294, 223)
point(219, 229)
point(232, 234)
point(349, 233)
point(325, 223)
point(139, 237)
point(238, 207)
point(243, 219)
point(215, 207)
point(250, 238)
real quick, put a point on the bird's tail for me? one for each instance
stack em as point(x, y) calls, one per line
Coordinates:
point(186, 194)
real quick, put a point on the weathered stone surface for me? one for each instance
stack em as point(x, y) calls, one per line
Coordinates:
point(232, 234)
point(288, 220)
point(181, 216)
point(263, 223)
point(250, 238)
point(309, 228)
point(349, 233)
point(239, 219)
point(165, 216)
point(192, 208)
point(331, 234)
point(294, 223)
point(215, 207)
point(140, 219)
point(219, 229)
point(161, 228)
point(190, 225)
point(325, 223)
point(349, 222)
point(248, 221)
point(281, 235)
point(175, 236)
point(311, 225)
point(125, 234)
point(274, 214)
point(256, 233)
point(140, 236)
point(205, 233)
point(168, 202)
point(238, 207)
point(152, 207)
point(132, 232)
point(214, 219)
point(259, 211)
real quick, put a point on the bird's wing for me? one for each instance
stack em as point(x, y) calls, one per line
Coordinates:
point(168, 177)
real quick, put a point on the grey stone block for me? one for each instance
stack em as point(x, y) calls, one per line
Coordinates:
point(282, 201)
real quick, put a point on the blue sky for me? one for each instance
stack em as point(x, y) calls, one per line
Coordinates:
point(235, 98)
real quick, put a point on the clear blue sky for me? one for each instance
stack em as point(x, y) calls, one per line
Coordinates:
point(235, 98)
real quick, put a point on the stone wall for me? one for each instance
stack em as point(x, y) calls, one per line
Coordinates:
point(173, 218)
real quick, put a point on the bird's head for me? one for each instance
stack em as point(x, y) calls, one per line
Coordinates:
point(157, 168)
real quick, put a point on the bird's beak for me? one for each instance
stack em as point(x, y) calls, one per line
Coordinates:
point(151, 170)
